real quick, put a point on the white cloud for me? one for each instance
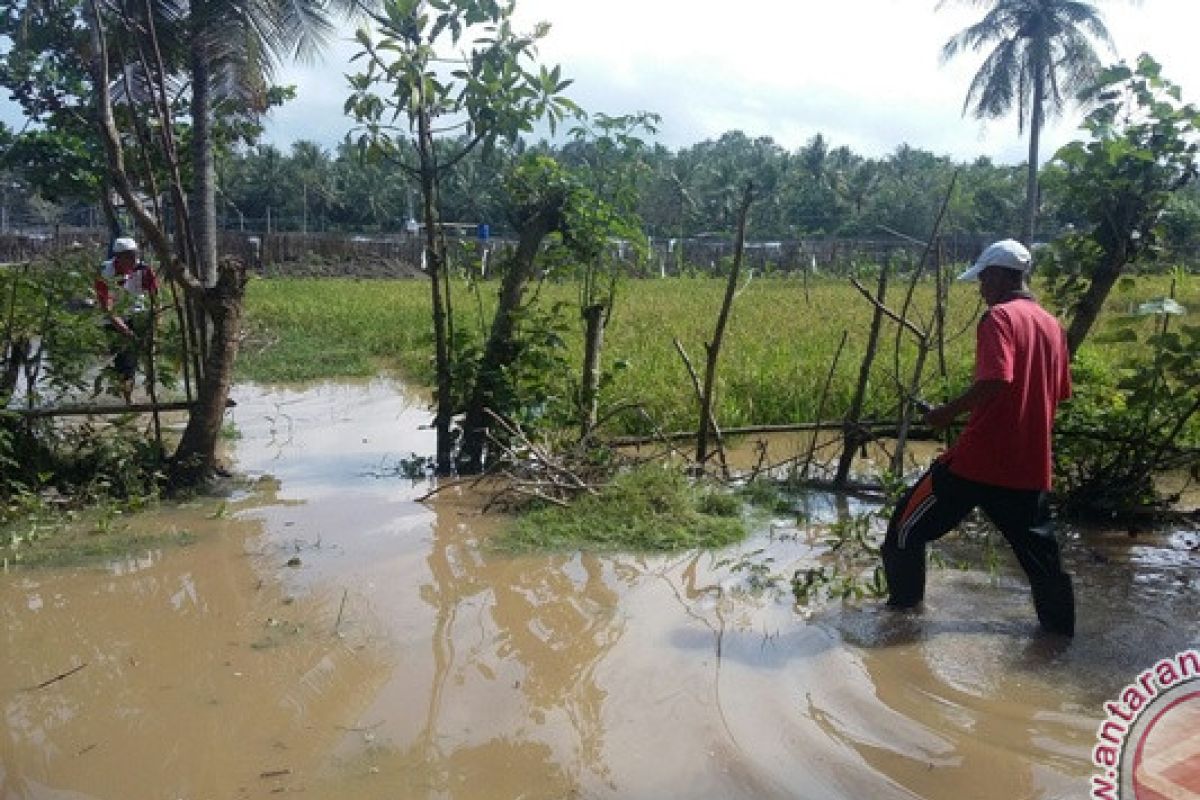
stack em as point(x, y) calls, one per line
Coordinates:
point(865, 73)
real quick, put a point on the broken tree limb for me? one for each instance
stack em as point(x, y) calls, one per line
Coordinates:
point(864, 374)
point(924, 343)
point(876, 429)
point(812, 445)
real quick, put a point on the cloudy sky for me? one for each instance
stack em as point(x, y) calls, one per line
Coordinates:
point(865, 73)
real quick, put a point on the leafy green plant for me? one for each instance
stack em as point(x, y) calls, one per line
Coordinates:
point(649, 508)
point(1133, 422)
point(1116, 186)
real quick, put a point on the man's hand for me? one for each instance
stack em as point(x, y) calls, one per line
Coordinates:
point(979, 393)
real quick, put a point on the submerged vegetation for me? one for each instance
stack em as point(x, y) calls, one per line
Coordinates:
point(652, 508)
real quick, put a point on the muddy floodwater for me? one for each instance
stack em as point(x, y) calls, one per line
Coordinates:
point(326, 636)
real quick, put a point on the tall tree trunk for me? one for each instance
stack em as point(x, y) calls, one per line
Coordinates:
point(501, 350)
point(203, 212)
point(1088, 307)
point(195, 457)
point(435, 263)
point(589, 390)
point(1031, 177)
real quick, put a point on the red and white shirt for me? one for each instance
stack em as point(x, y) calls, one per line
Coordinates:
point(136, 285)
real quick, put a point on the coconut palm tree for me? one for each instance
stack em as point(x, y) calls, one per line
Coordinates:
point(1041, 53)
point(234, 47)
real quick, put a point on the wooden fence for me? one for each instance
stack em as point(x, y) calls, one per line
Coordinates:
point(399, 255)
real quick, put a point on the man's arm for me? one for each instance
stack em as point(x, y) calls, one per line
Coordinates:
point(104, 299)
point(979, 393)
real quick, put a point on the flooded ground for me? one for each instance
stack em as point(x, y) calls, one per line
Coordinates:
point(326, 636)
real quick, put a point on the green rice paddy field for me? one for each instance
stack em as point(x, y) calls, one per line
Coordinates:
point(782, 339)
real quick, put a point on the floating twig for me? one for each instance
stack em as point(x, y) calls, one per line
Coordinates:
point(341, 608)
point(57, 678)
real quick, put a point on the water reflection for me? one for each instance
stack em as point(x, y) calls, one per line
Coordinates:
point(400, 656)
point(194, 675)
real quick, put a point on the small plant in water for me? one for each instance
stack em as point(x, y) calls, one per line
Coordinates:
point(757, 569)
point(851, 568)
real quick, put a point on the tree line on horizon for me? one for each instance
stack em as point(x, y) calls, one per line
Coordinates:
point(816, 190)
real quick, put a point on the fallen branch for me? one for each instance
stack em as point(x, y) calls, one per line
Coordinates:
point(877, 428)
point(812, 445)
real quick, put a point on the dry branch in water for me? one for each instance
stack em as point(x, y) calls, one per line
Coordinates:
point(60, 676)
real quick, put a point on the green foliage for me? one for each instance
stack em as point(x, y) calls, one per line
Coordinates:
point(1117, 186)
point(533, 388)
point(651, 508)
point(1131, 421)
point(53, 351)
point(295, 324)
point(489, 84)
point(849, 567)
point(307, 329)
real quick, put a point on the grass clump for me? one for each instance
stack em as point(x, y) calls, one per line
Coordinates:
point(648, 509)
point(62, 540)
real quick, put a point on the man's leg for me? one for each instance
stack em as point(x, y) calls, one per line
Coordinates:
point(125, 365)
point(931, 508)
point(1024, 519)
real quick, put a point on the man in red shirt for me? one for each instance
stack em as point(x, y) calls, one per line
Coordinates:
point(1001, 462)
point(125, 290)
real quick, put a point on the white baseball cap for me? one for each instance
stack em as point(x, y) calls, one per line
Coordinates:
point(1007, 253)
point(124, 244)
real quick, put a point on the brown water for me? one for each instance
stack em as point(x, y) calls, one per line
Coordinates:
point(400, 658)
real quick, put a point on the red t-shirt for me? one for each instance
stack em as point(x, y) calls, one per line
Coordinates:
point(1007, 438)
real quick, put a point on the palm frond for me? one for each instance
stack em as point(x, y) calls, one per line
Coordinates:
point(993, 88)
point(1042, 50)
point(306, 25)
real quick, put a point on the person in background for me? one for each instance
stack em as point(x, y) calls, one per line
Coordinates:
point(1001, 462)
point(125, 289)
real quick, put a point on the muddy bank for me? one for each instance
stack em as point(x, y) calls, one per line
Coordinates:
point(399, 657)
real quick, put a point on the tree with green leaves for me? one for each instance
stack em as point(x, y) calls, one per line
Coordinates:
point(1041, 53)
point(1143, 152)
point(441, 67)
point(610, 157)
point(1144, 148)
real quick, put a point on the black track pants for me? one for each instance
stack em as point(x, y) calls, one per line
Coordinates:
point(939, 501)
